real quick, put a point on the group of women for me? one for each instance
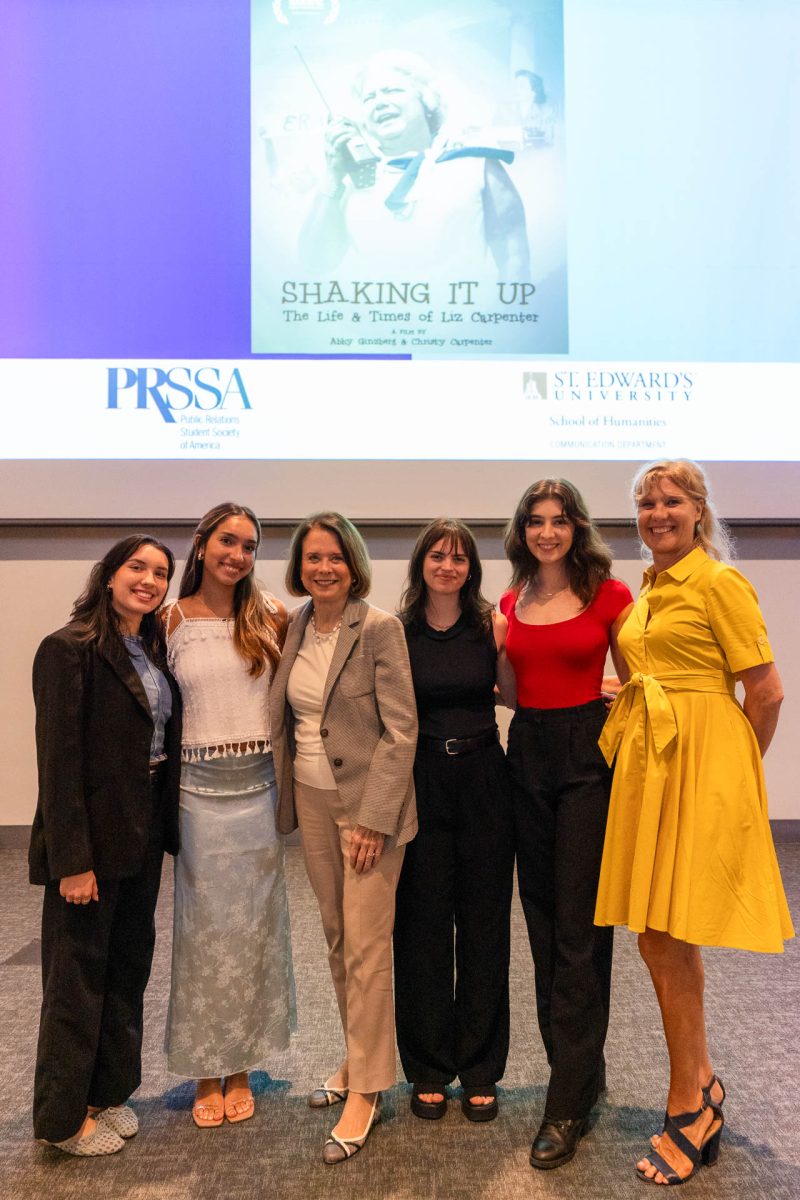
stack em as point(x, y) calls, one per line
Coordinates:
point(210, 726)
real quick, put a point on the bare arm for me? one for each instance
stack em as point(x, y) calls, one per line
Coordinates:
point(323, 238)
point(504, 218)
point(506, 681)
point(620, 666)
point(763, 696)
point(281, 622)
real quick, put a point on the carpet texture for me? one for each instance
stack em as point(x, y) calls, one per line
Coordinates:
point(753, 1003)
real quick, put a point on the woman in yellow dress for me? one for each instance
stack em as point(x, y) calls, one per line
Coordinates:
point(688, 858)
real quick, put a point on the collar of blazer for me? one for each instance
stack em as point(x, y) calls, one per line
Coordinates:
point(349, 633)
point(119, 660)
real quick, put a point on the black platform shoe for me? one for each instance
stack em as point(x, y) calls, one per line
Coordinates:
point(428, 1110)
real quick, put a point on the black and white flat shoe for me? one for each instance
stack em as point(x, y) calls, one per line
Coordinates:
point(338, 1149)
point(325, 1096)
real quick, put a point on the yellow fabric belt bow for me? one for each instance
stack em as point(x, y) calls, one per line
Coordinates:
point(652, 692)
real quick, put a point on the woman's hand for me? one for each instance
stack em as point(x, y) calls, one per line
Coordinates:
point(610, 689)
point(79, 889)
point(366, 848)
point(338, 133)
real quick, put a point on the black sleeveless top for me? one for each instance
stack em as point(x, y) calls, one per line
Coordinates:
point(454, 674)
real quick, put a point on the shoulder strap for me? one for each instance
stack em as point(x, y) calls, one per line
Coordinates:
point(172, 606)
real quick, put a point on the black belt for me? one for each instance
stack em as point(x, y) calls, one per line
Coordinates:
point(454, 746)
point(157, 771)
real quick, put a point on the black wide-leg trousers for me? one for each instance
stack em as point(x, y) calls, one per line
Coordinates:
point(561, 792)
point(96, 961)
point(451, 992)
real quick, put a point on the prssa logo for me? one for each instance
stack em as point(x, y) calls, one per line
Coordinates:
point(175, 390)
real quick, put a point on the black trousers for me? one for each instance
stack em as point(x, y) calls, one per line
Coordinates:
point(561, 792)
point(96, 962)
point(452, 993)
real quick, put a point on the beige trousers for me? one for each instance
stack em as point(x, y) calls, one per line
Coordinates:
point(358, 917)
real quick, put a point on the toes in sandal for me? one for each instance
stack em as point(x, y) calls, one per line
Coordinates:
point(207, 1114)
point(428, 1110)
point(479, 1112)
point(704, 1155)
point(240, 1110)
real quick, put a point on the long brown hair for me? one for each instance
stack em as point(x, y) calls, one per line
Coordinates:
point(588, 559)
point(711, 533)
point(456, 535)
point(93, 617)
point(256, 631)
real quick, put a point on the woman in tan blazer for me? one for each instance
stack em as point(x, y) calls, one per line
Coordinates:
point(344, 732)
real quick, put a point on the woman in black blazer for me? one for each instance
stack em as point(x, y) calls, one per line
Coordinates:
point(107, 744)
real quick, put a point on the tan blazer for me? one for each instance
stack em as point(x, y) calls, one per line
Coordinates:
point(369, 721)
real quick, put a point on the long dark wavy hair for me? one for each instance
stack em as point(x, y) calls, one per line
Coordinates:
point(589, 558)
point(257, 633)
point(457, 536)
point(93, 617)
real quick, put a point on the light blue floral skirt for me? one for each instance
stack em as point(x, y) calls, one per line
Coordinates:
point(232, 996)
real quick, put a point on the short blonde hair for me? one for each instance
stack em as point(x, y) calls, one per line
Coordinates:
point(711, 533)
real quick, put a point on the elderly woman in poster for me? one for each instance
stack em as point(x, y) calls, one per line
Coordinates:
point(399, 193)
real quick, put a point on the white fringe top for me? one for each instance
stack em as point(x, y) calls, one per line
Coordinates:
point(225, 710)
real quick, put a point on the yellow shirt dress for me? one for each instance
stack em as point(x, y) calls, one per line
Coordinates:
point(688, 847)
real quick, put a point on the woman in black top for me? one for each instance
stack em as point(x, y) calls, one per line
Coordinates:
point(452, 1014)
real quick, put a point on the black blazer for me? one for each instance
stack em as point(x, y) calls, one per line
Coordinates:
point(93, 731)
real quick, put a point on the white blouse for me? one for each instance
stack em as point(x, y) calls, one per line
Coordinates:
point(305, 688)
point(225, 709)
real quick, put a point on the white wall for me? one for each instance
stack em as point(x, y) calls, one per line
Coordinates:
point(42, 570)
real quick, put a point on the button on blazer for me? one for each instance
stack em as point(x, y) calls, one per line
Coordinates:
point(369, 716)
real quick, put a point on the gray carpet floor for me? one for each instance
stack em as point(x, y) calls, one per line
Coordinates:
point(753, 1003)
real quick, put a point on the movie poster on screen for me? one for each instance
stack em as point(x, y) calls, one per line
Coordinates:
point(408, 178)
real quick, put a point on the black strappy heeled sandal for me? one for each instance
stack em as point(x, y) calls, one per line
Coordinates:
point(704, 1155)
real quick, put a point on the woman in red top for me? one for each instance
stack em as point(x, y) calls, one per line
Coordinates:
point(564, 611)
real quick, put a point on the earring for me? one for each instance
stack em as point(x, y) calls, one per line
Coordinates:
point(200, 556)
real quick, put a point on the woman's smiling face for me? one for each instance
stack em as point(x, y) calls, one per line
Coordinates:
point(230, 551)
point(666, 519)
point(139, 585)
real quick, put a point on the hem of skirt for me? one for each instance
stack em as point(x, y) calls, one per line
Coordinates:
point(776, 947)
point(222, 1072)
point(196, 754)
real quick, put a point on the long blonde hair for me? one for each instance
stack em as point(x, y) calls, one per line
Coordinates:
point(257, 632)
point(711, 533)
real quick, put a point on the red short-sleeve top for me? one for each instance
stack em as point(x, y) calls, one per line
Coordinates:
point(561, 665)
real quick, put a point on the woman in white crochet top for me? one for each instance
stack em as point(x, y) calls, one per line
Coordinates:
point(232, 995)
